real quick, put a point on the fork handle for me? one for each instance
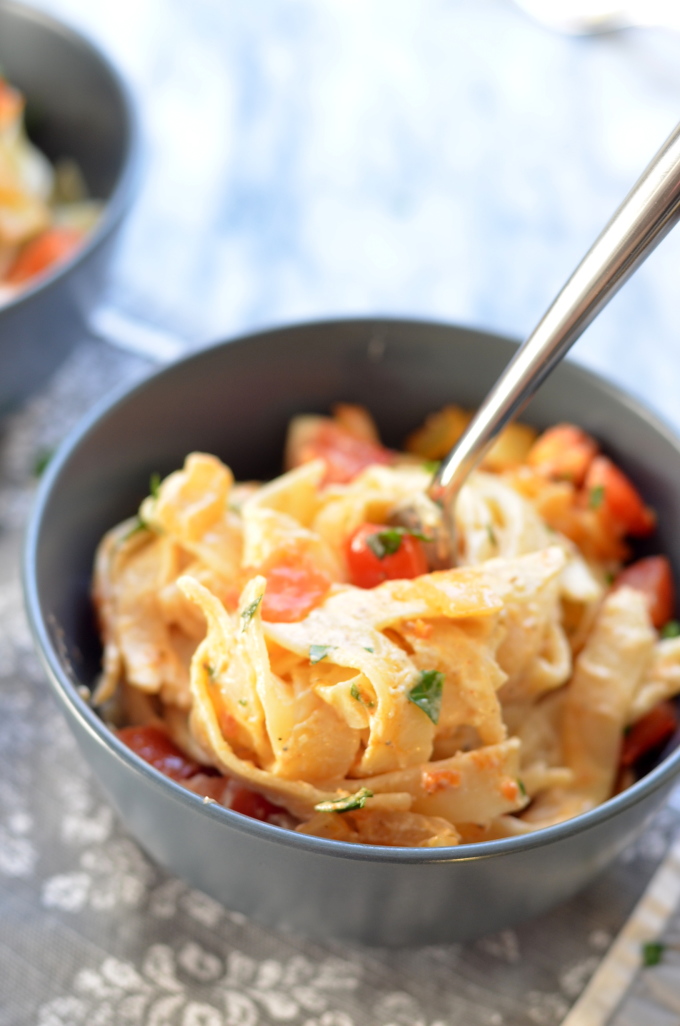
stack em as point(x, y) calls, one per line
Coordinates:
point(646, 215)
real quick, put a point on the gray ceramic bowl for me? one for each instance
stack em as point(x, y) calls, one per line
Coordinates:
point(78, 107)
point(235, 400)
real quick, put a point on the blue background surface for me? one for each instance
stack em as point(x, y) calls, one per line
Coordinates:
point(448, 159)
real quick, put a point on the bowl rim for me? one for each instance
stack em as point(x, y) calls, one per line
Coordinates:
point(67, 690)
point(120, 199)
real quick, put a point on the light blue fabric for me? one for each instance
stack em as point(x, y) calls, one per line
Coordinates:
point(448, 159)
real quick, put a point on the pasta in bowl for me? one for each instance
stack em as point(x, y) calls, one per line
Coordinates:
point(289, 654)
point(236, 401)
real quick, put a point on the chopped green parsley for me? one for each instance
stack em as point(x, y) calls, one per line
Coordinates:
point(596, 497)
point(154, 484)
point(386, 543)
point(346, 804)
point(356, 694)
point(652, 953)
point(427, 693)
point(249, 612)
point(139, 525)
point(42, 458)
point(319, 652)
point(671, 629)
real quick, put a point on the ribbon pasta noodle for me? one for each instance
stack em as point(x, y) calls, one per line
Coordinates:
point(283, 641)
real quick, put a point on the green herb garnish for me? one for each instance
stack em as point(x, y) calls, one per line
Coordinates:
point(492, 534)
point(387, 542)
point(355, 693)
point(427, 693)
point(652, 953)
point(210, 670)
point(671, 629)
point(596, 497)
point(346, 804)
point(319, 652)
point(154, 484)
point(432, 466)
point(41, 460)
point(522, 788)
point(139, 525)
point(367, 648)
point(609, 578)
point(249, 612)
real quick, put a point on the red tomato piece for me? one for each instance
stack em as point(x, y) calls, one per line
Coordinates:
point(154, 746)
point(649, 733)
point(609, 489)
point(250, 803)
point(563, 452)
point(292, 592)
point(208, 786)
point(41, 253)
point(344, 454)
point(367, 568)
point(654, 578)
point(11, 103)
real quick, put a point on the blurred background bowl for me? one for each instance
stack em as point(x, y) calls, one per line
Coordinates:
point(77, 107)
point(235, 400)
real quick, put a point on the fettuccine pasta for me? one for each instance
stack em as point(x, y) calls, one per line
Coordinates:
point(285, 650)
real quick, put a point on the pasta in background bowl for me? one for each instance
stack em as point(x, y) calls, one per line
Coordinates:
point(80, 113)
point(45, 210)
point(381, 764)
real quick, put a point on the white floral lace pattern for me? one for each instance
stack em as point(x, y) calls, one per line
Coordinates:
point(238, 991)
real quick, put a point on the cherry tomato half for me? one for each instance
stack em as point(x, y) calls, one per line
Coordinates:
point(344, 454)
point(250, 803)
point(292, 592)
point(609, 489)
point(649, 733)
point(563, 451)
point(403, 556)
point(41, 253)
point(154, 746)
point(654, 578)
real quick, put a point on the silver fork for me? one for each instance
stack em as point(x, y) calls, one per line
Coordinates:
point(647, 214)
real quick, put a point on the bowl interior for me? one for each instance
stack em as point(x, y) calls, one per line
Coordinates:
point(236, 399)
point(76, 105)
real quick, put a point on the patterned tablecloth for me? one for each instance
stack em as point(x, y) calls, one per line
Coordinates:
point(92, 933)
point(302, 159)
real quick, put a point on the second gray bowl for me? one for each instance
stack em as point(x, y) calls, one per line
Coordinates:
point(79, 109)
